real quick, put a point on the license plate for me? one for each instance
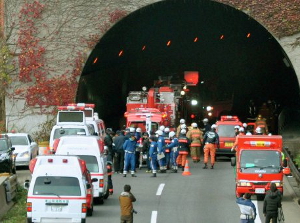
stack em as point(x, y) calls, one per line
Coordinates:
point(56, 208)
point(228, 144)
point(260, 190)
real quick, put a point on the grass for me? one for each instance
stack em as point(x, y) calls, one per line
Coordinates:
point(297, 160)
point(18, 211)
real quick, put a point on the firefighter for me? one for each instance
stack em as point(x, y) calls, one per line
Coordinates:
point(153, 154)
point(241, 132)
point(182, 121)
point(161, 151)
point(129, 159)
point(173, 146)
point(109, 179)
point(261, 122)
point(183, 148)
point(167, 150)
point(259, 131)
point(195, 136)
point(206, 126)
point(211, 139)
point(236, 130)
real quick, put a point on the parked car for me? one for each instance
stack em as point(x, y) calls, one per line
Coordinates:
point(25, 148)
point(7, 161)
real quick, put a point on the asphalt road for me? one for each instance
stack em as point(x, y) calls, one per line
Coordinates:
point(204, 196)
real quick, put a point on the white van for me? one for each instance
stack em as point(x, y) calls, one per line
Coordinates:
point(88, 148)
point(58, 190)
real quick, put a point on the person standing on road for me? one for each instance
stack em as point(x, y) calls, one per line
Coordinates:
point(183, 148)
point(108, 144)
point(145, 149)
point(126, 198)
point(173, 146)
point(119, 152)
point(182, 121)
point(129, 148)
point(211, 139)
point(206, 126)
point(167, 150)
point(161, 150)
point(247, 208)
point(195, 136)
point(153, 154)
point(272, 202)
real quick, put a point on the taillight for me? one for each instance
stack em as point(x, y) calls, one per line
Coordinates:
point(29, 207)
point(101, 183)
point(84, 208)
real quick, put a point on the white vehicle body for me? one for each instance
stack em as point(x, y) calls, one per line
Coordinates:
point(57, 191)
point(88, 149)
point(25, 148)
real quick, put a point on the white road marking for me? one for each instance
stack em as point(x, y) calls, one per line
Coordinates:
point(153, 217)
point(257, 220)
point(160, 189)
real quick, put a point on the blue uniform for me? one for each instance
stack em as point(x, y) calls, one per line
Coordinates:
point(174, 152)
point(153, 156)
point(161, 149)
point(129, 147)
point(248, 210)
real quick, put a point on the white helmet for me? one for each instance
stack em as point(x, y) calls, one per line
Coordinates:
point(245, 125)
point(194, 125)
point(236, 127)
point(241, 129)
point(213, 126)
point(183, 131)
point(162, 127)
point(205, 120)
point(172, 134)
point(269, 134)
point(183, 126)
point(248, 134)
point(132, 129)
point(258, 130)
point(159, 132)
point(167, 130)
point(138, 130)
point(182, 121)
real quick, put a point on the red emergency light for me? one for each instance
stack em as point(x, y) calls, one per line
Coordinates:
point(82, 164)
point(50, 160)
point(229, 118)
point(82, 105)
point(72, 108)
point(32, 165)
point(65, 160)
point(191, 77)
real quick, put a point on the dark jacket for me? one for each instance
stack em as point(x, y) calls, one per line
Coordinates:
point(272, 202)
point(211, 137)
point(146, 145)
point(119, 141)
point(183, 143)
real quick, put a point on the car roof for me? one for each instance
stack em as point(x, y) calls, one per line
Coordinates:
point(17, 134)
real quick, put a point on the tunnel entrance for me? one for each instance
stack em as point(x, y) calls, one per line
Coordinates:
point(236, 57)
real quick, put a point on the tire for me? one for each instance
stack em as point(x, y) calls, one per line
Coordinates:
point(29, 220)
point(106, 193)
point(90, 211)
point(83, 220)
point(99, 200)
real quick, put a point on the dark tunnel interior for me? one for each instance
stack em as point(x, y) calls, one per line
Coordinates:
point(236, 58)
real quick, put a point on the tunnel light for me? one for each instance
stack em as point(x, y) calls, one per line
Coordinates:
point(144, 47)
point(196, 39)
point(209, 108)
point(95, 60)
point(120, 53)
point(182, 93)
point(222, 37)
point(194, 102)
point(169, 43)
point(209, 114)
point(248, 35)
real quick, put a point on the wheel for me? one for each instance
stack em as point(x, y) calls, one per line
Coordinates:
point(99, 200)
point(29, 220)
point(90, 211)
point(83, 220)
point(106, 193)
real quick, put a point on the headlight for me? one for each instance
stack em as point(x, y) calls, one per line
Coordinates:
point(278, 184)
point(24, 154)
point(4, 156)
point(244, 184)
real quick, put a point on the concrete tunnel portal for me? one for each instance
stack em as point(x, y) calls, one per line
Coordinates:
point(234, 55)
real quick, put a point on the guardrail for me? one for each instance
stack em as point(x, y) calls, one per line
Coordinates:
point(293, 166)
point(8, 189)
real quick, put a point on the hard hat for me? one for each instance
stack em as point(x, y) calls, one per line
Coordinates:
point(213, 126)
point(172, 134)
point(245, 125)
point(183, 126)
point(159, 132)
point(182, 121)
point(236, 127)
point(205, 120)
point(241, 129)
point(138, 130)
point(132, 129)
point(162, 127)
point(259, 116)
point(194, 125)
point(258, 130)
point(183, 131)
point(269, 134)
point(167, 129)
point(248, 134)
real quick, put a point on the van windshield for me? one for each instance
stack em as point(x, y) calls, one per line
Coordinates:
point(91, 163)
point(226, 131)
point(68, 131)
point(59, 186)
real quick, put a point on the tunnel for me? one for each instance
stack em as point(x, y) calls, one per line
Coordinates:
point(236, 57)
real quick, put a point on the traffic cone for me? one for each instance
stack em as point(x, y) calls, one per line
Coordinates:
point(186, 171)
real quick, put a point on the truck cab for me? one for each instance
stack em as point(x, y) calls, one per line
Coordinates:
point(59, 190)
point(258, 163)
point(225, 130)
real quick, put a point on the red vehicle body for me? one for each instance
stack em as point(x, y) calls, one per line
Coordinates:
point(225, 130)
point(258, 163)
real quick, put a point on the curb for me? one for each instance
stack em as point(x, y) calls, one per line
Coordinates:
point(291, 191)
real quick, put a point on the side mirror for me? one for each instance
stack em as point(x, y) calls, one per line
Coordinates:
point(233, 161)
point(94, 180)
point(33, 143)
point(12, 149)
point(26, 184)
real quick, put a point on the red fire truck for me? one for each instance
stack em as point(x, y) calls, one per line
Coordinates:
point(258, 163)
point(225, 130)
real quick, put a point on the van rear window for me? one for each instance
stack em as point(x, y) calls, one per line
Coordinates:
point(57, 186)
point(68, 131)
point(226, 131)
point(91, 163)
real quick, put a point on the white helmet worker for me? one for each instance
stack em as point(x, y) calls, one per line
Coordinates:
point(214, 126)
point(241, 129)
point(131, 129)
point(162, 127)
point(248, 134)
point(205, 120)
point(194, 125)
point(183, 131)
point(258, 130)
point(236, 127)
point(183, 126)
point(182, 121)
point(172, 134)
point(245, 125)
point(159, 132)
point(166, 130)
point(138, 130)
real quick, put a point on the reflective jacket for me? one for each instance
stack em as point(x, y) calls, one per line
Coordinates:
point(183, 144)
point(195, 135)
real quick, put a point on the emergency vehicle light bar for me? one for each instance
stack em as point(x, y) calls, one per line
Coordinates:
point(82, 105)
point(260, 143)
point(74, 108)
point(229, 118)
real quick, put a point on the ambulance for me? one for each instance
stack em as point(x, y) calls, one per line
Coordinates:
point(258, 163)
point(225, 130)
point(59, 190)
point(89, 149)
